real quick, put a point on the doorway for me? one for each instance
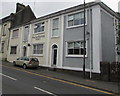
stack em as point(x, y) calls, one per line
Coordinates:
point(54, 55)
point(24, 51)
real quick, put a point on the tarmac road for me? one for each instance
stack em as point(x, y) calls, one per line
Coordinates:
point(16, 80)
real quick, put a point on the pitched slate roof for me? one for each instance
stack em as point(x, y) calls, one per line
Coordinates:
point(22, 16)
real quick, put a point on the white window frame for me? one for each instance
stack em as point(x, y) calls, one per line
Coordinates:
point(73, 13)
point(27, 26)
point(58, 27)
point(16, 35)
point(33, 49)
point(4, 30)
point(67, 55)
point(40, 27)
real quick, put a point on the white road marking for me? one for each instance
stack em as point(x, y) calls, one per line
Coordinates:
point(45, 91)
point(8, 76)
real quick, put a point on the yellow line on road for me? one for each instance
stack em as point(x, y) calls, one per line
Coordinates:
point(59, 80)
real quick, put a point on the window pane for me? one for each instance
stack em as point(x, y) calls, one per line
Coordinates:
point(55, 23)
point(55, 32)
point(82, 21)
point(70, 51)
point(76, 51)
point(34, 47)
point(39, 27)
point(4, 29)
point(77, 44)
point(13, 49)
point(70, 17)
point(38, 49)
point(41, 51)
point(76, 21)
point(70, 23)
point(2, 48)
point(15, 33)
point(42, 28)
point(77, 16)
point(70, 45)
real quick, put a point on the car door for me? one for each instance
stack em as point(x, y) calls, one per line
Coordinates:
point(17, 61)
point(21, 61)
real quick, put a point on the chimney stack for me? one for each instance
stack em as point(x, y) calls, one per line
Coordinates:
point(19, 7)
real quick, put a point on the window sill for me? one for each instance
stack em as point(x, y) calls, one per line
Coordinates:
point(39, 33)
point(4, 35)
point(38, 55)
point(75, 26)
point(12, 54)
point(14, 37)
point(76, 56)
point(55, 36)
point(25, 41)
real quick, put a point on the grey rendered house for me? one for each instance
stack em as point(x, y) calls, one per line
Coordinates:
point(100, 37)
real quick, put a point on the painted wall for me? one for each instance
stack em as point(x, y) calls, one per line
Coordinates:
point(5, 40)
point(14, 42)
point(75, 34)
point(108, 37)
point(55, 41)
point(41, 40)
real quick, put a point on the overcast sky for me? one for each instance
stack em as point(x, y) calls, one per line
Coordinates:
point(44, 7)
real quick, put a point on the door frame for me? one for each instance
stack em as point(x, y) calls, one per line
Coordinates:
point(24, 51)
point(52, 55)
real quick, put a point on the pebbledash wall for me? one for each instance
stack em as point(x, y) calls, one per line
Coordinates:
point(59, 41)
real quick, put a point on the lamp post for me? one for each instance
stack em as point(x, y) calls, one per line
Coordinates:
point(84, 45)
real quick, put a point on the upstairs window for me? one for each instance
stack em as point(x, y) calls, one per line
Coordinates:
point(39, 27)
point(76, 48)
point(55, 27)
point(26, 33)
point(76, 19)
point(15, 33)
point(4, 30)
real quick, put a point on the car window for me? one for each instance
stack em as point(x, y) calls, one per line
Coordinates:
point(22, 58)
point(34, 59)
point(18, 58)
point(26, 59)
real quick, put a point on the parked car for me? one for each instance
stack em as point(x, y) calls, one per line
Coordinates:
point(26, 62)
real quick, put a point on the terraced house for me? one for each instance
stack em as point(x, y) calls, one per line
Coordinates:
point(5, 24)
point(57, 39)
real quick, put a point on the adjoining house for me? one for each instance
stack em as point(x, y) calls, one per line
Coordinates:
point(23, 15)
point(5, 24)
point(57, 39)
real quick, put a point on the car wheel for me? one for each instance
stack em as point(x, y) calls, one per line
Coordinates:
point(14, 63)
point(24, 66)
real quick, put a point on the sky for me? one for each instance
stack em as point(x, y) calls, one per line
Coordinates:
point(45, 7)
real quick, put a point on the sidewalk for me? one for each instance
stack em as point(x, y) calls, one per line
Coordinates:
point(104, 85)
